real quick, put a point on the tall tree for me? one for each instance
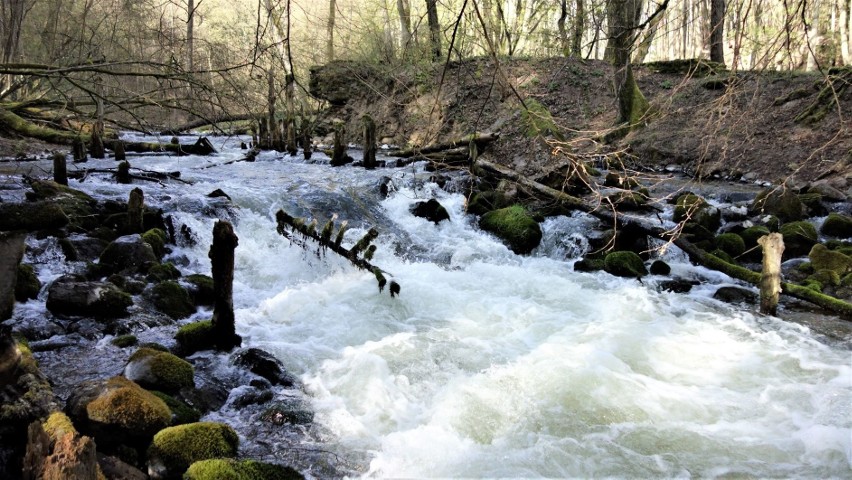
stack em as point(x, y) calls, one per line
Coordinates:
point(329, 46)
point(434, 28)
point(403, 8)
point(717, 32)
point(190, 34)
point(579, 28)
point(560, 26)
point(623, 19)
point(12, 13)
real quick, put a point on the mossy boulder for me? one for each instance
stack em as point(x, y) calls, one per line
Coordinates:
point(515, 226)
point(174, 449)
point(172, 299)
point(117, 411)
point(731, 243)
point(69, 296)
point(162, 272)
point(694, 209)
point(128, 254)
point(181, 412)
point(125, 341)
point(194, 337)
point(813, 204)
point(824, 259)
point(481, 203)
point(201, 289)
point(826, 277)
point(431, 210)
point(589, 264)
point(157, 238)
point(660, 267)
point(27, 285)
point(156, 370)
point(781, 202)
point(837, 225)
point(77, 205)
point(227, 469)
point(625, 264)
point(31, 216)
point(799, 238)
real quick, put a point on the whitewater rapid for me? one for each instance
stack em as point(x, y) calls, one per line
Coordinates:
point(495, 365)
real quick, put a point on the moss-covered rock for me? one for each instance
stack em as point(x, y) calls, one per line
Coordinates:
point(694, 209)
point(731, 243)
point(660, 267)
point(515, 226)
point(837, 225)
point(162, 272)
point(824, 259)
point(117, 411)
point(57, 425)
point(125, 341)
point(27, 285)
point(227, 469)
point(128, 254)
point(813, 204)
point(174, 449)
point(799, 238)
point(31, 216)
point(481, 203)
point(158, 370)
point(172, 299)
point(68, 296)
point(826, 277)
point(194, 337)
point(589, 264)
point(77, 205)
point(201, 289)
point(781, 202)
point(181, 412)
point(625, 264)
point(157, 238)
point(751, 235)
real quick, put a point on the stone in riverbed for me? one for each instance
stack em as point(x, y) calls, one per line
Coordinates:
point(220, 468)
point(69, 296)
point(735, 295)
point(625, 264)
point(128, 254)
point(515, 226)
point(263, 364)
point(174, 449)
point(31, 216)
point(156, 370)
point(837, 225)
point(27, 285)
point(431, 210)
point(172, 299)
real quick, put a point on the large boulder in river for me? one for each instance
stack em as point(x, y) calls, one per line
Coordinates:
point(82, 248)
point(28, 284)
point(799, 238)
point(431, 210)
point(263, 364)
point(515, 226)
point(156, 370)
point(128, 254)
point(837, 225)
point(172, 299)
point(174, 449)
point(32, 216)
point(220, 468)
point(781, 202)
point(625, 264)
point(69, 295)
point(117, 411)
point(824, 259)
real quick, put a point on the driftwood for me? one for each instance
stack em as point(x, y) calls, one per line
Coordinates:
point(479, 139)
point(201, 147)
point(207, 121)
point(249, 157)
point(770, 280)
point(149, 175)
point(359, 255)
point(695, 254)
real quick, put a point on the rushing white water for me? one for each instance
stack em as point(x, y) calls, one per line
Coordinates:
point(495, 365)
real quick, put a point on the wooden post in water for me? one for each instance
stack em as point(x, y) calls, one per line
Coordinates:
point(770, 278)
point(79, 150)
point(118, 149)
point(123, 173)
point(135, 211)
point(307, 147)
point(369, 142)
point(96, 147)
point(338, 154)
point(222, 258)
point(292, 148)
point(60, 170)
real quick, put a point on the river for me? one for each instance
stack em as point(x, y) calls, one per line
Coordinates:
point(495, 365)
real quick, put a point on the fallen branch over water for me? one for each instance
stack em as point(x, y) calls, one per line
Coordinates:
point(359, 255)
point(479, 139)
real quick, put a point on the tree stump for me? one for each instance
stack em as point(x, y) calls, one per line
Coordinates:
point(306, 140)
point(338, 154)
point(11, 251)
point(292, 148)
point(78, 149)
point(135, 211)
point(770, 278)
point(123, 173)
point(369, 142)
point(222, 259)
point(60, 170)
point(263, 134)
point(96, 145)
point(118, 149)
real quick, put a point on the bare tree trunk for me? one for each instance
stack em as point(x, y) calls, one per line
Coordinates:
point(190, 35)
point(770, 279)
point(717, 34)
point(623, 18)
point(560, 26)
point(60, 170)
point(12, 21)
point(329, 46)
point(845, 28)
point(647, 39)
point(403, 8)
point(579, 28)
point(222, 259)
point(434, 28)
point(388, 41)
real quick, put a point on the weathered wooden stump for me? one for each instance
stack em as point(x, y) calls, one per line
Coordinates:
point(307, 147)
point(78, 148)
point(11, 251)
point(60, 170)
point(96, 145)
point(338, 153)
point(222, 259)
point(770, 278)
point(118, 149)
point(369, 142)
point(122, 175)
point(135, 211)
point(292, 147)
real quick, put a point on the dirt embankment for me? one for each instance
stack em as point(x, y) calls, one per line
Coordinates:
point(725, 126)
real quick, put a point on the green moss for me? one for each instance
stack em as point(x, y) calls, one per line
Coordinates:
point(752, 234)
point(226, 469)
point(537, 120)
point(826, 277)
point(173, 300)
point(154, 346)
point(202, 292)
point(195, 336)
point(780, 202)
point(113, 303)
point(515, 226)
point(181, 412)
point(805, 267)
point(125, 341)
point(58, 425)
point(129, 406)
point(157, 238)
point(731, 243)
point(162, 272)
point(824, 259)
point(589, 264)
point(27, 284)
point(812, 285)
point(723, 255)
point(685, 204)
point(167, 372)
point(178, 447)
point(625, 264)
point(837, 225)
point(799, 238)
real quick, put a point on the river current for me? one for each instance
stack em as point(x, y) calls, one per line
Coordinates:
point(491, 364)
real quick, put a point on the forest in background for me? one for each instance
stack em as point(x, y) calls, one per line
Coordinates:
point(143, 65)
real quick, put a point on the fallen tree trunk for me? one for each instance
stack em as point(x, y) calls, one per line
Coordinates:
point(249, 157)
point(207, 121)
point(695, 254)
point(202, 146)
point(16, 124)
point(479, 139)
